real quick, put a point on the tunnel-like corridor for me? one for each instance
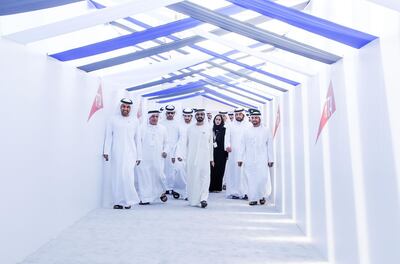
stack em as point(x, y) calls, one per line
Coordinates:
point(227, 231)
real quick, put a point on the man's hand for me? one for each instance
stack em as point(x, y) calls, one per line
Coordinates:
point(212, 163)
point(105, 156)
point(180, 159)
point(173, 160)
point(240, 163)
point(270, 164)
point(137, 162)
point(228, 149)
point(164, 155)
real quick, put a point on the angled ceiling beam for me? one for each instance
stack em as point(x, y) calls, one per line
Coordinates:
point(219, 101)
point(121, 26)
point(270, 85)
point(87, 20)
point(218, 80)
point(228, 98)
point(195, 95)
point(178, 88)
point(177, 93)
point(10, 7)
point(243, 65)
point(131, 20)
point(316, 25)
point(291, 65)
point(234, 92)
point(139, 54)
point(165, 80)
point(134, 38)
point(149, 72)
point(230, 24)
point(180, 98)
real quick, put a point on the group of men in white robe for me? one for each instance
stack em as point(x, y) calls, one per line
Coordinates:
point(152, 159)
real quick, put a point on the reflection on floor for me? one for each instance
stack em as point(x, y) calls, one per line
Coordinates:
point(227, 231)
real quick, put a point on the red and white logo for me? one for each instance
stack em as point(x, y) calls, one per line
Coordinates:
point(97, 103)
point(328, 110)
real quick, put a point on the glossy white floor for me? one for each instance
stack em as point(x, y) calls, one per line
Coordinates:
point(227, 231)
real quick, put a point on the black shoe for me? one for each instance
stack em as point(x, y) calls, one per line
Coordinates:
point(203, 204)
point(118, 206)
point(163, 198)
point(262, 201)
point(141, 203)
point(224, 187)
point(186, 199)
point(128, 207)
point(245, 197)
point(253, 203)
point(235, 197)
point(176, 195)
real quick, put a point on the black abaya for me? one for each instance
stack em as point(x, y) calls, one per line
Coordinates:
point(220, 157)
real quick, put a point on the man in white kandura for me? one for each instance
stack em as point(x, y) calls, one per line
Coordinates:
point(235, 180)
point(181, 170)
point(231, 116)
point(150, 178)
point(256, 159)
point(122, 148)
point(173, 134)
point(199, 144)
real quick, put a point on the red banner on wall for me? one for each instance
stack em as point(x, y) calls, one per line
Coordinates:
point(97, 103)
point(328, 110)
point(277, 121)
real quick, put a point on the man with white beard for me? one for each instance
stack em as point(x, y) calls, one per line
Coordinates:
point(122, 147)
point(256, 158)
point(173, 135)
point(199, 144)
point(235, 180)
point(151, 179)
point(181, 172)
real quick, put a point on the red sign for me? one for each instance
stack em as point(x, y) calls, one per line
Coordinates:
point(277, 121)
point(97, 103)
point(329, 109)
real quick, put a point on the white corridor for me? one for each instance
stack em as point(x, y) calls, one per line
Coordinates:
point(227, 231)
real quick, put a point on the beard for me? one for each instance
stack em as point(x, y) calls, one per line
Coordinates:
point(199, 118)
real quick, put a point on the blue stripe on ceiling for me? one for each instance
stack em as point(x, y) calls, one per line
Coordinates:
point(328, 29)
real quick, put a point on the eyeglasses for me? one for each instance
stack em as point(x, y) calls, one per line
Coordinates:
point(170, 113)
point(200, 114)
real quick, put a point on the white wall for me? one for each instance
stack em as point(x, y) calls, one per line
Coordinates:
point(346, 185)
point(50, 159)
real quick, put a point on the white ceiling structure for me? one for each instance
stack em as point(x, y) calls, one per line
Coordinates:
point(235, 51)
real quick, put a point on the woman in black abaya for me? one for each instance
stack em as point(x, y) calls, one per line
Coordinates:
point(220, 155)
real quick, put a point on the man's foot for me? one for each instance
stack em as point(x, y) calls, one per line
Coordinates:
point(163, 198)
point(176, 195)
point(262, 201)
point(235, 197)
point(253, 203)
point(245, 197)
point(128, 207)
point(224, 187)
point(186, 199)
point(203, 204)
point(142, 203)
point(118, 206)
